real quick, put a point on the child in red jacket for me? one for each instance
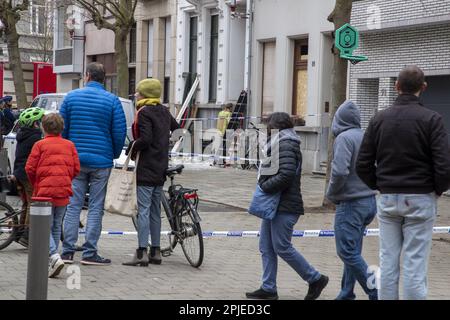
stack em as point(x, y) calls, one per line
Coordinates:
point(51, 167)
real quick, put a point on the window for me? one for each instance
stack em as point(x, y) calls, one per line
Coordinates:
point(62, 32)
point(75, 84)
point(132, 81)
point(213, 58)
point(268, 88)
point(168, 58)
point(193, 36)
point(133, 44)
point(150, 49)
point(111, 84)
point(38, 17)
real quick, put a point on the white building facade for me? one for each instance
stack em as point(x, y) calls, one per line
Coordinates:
point(291, 69)
point(69, 47)
point(212, 44)
point(35, 28)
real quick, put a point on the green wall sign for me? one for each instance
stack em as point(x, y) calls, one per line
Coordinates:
point(347, 41)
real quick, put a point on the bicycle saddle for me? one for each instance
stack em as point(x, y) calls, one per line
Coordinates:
point(175, 170)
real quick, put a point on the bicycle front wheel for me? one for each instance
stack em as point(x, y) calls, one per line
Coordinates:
point(191, 236)
point(9, 221)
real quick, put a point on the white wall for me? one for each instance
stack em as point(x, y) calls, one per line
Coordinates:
point(236, 67)
point(231, 55)
point(98, 41)
point(285, 21)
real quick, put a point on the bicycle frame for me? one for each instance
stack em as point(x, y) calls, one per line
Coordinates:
point(178, 200)
point(14, 214)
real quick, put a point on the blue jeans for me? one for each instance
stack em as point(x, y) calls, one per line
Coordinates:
point(149, 215)
point(406, 226)
point(56, 228)
point(96, 181)
point(352, 218)
point(275, 240)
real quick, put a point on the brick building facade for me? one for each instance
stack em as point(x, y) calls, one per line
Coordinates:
point(395, 34)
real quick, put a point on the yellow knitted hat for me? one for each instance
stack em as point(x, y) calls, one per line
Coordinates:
point(150, 88)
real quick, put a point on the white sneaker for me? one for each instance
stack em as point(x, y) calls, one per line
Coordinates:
point(55, 266)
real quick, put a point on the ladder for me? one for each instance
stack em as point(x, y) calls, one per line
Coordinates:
point(237, 121)
point(192, 83)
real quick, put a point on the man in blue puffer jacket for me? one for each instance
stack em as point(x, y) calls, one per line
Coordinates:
point(95, 123)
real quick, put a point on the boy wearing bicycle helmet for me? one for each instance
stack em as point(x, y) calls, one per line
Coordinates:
point(28, 134)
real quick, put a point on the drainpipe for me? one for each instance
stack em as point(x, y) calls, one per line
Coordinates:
point(248, 54)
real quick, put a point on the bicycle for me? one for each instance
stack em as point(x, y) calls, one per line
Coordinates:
point(10, 229)
point(253, 149)
point(181, 219)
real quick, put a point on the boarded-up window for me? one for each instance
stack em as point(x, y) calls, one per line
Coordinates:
point(268, 85)
point(300, 97)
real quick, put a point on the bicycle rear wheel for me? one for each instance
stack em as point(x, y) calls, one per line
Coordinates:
point(191, 236)
point(168, 241)
point(9, 221)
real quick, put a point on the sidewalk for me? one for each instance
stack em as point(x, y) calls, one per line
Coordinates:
point(235, 187)
point(232, 265)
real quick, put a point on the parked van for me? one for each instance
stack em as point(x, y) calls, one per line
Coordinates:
point(52, 103)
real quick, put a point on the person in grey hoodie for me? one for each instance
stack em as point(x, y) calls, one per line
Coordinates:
point(355, 202)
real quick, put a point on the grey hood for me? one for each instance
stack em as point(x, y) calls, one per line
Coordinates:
point(347, 117)
point(289, 134)
point(286, 134)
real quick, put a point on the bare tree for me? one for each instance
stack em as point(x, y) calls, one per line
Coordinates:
point(10, 15)
point(341, 15)
point(118, 16)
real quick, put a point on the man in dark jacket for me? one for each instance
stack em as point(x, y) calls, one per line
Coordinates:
point(405, 155)
point(95, 122)
point(7, 117)
point(151, 131)
point(355, 202)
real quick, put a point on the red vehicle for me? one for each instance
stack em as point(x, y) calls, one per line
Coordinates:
point(44, 79)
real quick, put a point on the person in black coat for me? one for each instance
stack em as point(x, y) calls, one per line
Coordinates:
point(282, 174)
point(151, 131)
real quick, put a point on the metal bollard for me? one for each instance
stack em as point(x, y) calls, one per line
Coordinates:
point(38, 250)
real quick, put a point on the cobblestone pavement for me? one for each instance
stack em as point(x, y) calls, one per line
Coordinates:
point(231, 266)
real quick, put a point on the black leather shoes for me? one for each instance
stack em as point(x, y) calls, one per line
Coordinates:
point(315, 288)
point(262, 295)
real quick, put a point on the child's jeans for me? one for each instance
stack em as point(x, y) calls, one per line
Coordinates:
point(56, 228)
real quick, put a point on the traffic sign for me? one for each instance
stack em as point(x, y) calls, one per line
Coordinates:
point(347, 41)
